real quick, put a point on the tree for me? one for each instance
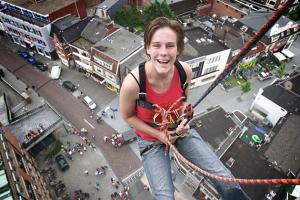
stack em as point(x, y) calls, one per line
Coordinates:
point(246, 87)
point(128, 16)
point(295, 14)
point(157, 9)
point(281, 70)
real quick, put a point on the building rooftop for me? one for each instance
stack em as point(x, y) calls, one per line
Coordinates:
point(286, 94)
point(214, 127)
point(245, 162)
point(255, 20)
point(44, 7)
point(200, 43)
point(69, 28)
point(284, 148)
point(184, 7)
point(134, 62)
point(43, 116)
point(107, 4)
point(120, 44)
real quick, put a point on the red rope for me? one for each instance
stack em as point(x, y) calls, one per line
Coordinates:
point(236, 180)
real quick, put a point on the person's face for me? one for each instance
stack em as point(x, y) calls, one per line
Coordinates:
point(163, 49)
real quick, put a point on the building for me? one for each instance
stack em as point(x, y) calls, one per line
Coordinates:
point(279, 37)
point(20, 178)
point(28, 23)
point(109, 54)
point(274, 102)
point(204, 53)
point(108, 8)
point(82, 47)
point(65, 31)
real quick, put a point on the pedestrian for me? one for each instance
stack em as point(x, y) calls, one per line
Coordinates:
point(161, 81)
point(86, 172)
point(97, 186)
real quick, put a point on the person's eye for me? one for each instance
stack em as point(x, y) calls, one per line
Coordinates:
point(170, 45)
point(156, 45)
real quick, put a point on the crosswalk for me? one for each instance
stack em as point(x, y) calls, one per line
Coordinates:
point(134, 177)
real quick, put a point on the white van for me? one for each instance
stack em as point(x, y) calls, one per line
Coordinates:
point(89, 102)
point(55, 72)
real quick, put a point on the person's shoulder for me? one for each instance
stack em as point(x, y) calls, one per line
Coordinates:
point(131, 81)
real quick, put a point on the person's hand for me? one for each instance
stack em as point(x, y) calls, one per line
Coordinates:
point(181, 128)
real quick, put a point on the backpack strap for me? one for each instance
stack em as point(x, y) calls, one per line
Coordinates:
point(182, 75)
point(142, 76)
point(142, 101)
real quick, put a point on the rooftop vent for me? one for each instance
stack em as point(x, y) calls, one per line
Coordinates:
point(230, 162)
point(102, 48)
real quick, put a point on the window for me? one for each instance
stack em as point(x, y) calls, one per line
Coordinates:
point(197, 71)
point(110, 77)
point(99, 70)
point(210, 69)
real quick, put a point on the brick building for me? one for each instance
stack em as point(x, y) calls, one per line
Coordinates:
point(20, 178)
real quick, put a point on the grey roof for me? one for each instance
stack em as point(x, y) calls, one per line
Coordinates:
point(68, 28)
point(213, 127)
point(200, 43)
point(285, 98)
point(107, 4)
point(120, 44)
point(134, 62)
point(185, 6)
point(235, 44)
point(255, 20)
point(43, 115)
point(284, 148)
point(94, 31)
point(249, 164)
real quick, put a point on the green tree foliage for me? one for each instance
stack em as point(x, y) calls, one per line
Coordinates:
point(246, 87)
point(281, 70)
point(128, 16)
point(295, 14)
point(157, 9)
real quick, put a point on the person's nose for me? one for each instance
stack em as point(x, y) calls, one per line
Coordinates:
point(163, 50)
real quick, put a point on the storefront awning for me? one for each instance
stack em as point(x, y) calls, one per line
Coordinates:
point(279, 56)
point(288, 53)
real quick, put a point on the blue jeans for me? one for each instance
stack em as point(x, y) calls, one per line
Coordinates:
point(157, 167)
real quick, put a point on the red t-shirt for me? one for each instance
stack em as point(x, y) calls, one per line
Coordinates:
point(165, 100)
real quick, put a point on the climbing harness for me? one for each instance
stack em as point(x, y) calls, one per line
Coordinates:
point(142, 100)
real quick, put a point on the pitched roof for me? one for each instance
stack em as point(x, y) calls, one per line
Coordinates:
point(68, 28)
point(284, 148)
point(284, 96)
point(255, 20)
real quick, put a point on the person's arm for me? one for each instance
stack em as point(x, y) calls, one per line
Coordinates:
point(181, 129)
point(128, 96)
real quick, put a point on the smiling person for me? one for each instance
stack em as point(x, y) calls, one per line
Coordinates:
point(155, 86)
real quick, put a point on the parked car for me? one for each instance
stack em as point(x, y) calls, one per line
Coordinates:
point(69, 86)
point(28, 57)
point(55, 72)
point(62, 162)
point(264, 74)
point(89, 102)
point(41, 66)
